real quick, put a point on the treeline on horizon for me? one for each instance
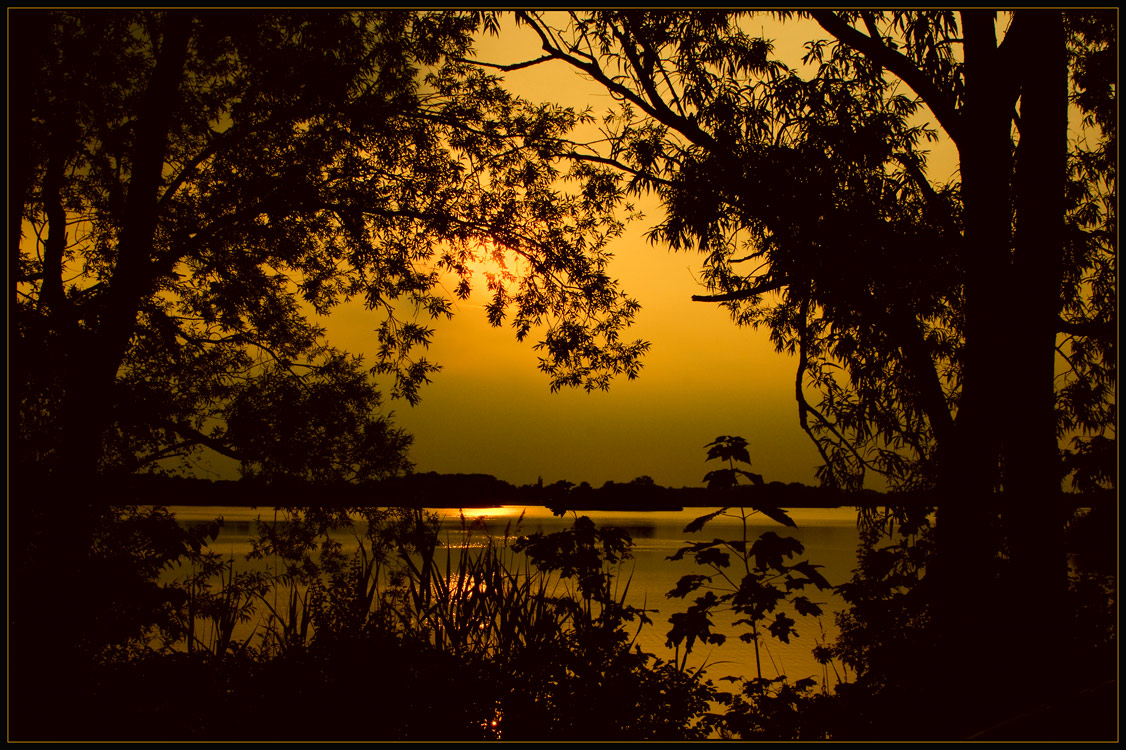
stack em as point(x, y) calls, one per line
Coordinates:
point(477, 490)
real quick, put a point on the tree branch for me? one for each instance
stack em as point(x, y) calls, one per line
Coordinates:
point(658, 109)
point(169, 451)
point(52, 297)
point(804, 407)
point(912, 343)
point(940, 103)
point(1086, 327)
point(738, 294)
point(510, 66)
point(207, 441)
point(595, 159)
point(938, 209)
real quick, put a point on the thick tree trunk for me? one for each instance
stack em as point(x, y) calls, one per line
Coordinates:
point(59, 514)
point(1005, 436)
point(968, 615)
point(91, 376)
point(1034, 502)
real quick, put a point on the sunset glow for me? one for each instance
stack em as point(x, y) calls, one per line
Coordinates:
point(615, 375)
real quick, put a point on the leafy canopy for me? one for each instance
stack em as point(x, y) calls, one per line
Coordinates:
point(193, 190)
point(806, 188)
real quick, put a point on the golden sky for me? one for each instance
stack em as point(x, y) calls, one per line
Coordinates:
point(490, 409)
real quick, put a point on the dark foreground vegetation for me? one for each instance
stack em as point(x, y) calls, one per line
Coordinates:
point(154, 636)
point(394, 641)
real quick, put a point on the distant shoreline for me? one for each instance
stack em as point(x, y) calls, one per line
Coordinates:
point(450, 491)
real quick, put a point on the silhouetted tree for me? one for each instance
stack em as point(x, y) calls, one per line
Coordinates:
point(930, 317)
point(192, 188)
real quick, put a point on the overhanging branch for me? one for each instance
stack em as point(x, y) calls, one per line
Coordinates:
point(595, 159)
point(510, 66)
point(738, 294)
point(1086, 327)
point(190, 433)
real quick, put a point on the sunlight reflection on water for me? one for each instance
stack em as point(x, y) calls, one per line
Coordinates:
point(828, 534)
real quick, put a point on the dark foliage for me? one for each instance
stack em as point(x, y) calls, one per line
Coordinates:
point(387, 643)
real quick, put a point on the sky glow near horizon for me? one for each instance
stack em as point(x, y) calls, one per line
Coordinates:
point(490, 409)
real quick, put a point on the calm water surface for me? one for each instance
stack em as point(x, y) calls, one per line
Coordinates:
point(828, 534)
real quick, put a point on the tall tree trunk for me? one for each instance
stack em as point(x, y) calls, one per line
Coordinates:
point(71, 497)
point(1034, 520)
point(968, 617)
point(89, 388)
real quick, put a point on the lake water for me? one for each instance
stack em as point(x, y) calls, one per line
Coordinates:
point(828, 534)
